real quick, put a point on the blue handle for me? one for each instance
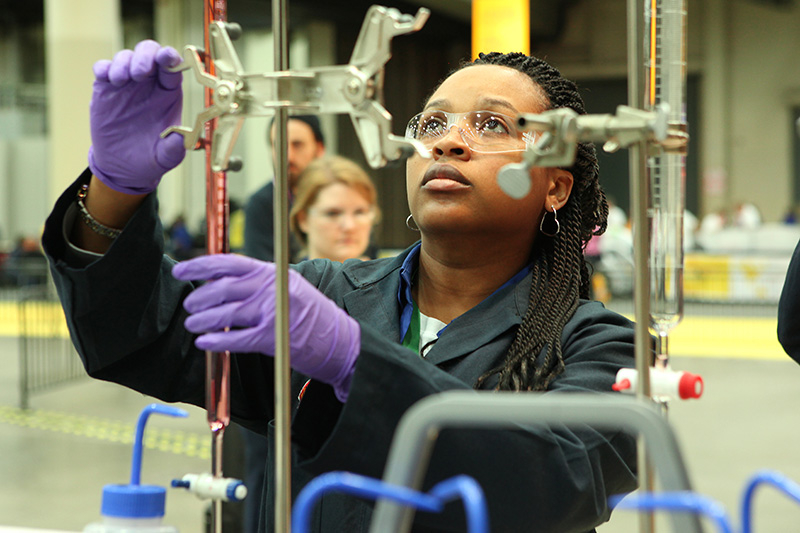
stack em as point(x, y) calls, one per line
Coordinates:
point(136, 463)
point(474, 501)
point(365, 487)
point(789, 487)
point(676, 501)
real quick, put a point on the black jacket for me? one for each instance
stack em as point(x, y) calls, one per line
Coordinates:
point(259, 226)
point(789, 309)
point(125, 316)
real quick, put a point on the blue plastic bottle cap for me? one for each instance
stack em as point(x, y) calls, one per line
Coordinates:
point(234, 493)
point(133, 501)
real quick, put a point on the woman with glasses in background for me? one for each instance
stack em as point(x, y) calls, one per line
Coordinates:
point(493, 297)
point(335, 209)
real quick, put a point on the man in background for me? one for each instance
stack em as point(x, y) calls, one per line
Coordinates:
point(306, 143)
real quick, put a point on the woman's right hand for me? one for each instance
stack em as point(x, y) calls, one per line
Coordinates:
point(236, 311)
point(134, 99)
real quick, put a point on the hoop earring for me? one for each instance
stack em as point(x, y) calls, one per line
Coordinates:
point(554, 226)
point(409, 221)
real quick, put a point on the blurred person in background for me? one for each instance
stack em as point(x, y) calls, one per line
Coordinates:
point(305, 143)
point(335, 209)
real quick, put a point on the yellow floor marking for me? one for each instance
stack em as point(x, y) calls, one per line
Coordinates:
point(155, 438)
point(741, 338)
point(727, 337)
point(41, 319)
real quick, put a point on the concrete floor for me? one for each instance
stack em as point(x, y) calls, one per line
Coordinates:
point(75, 439)
point(745, 422)
point(51, 476)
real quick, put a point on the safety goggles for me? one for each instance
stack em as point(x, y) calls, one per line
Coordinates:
point(483, 131)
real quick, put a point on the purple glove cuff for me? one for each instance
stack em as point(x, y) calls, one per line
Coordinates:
point(111, 184)
point(351, 350)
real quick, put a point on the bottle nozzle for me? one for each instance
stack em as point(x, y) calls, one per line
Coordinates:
point(136, 500)
point(136, 463)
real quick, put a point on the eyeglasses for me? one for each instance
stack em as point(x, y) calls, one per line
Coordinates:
point(339, 216)
point(483, 131)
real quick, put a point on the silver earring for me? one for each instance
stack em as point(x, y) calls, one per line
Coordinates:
point(554, 227)
point(410, 221)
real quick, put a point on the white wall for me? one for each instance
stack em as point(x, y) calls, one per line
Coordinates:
point(23, 186)
point(182, 191)
point(765, 86)
point(6, 229)
point(77, 34)
point(257, 53)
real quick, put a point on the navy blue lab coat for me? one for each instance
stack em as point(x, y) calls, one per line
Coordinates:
point(125, 317)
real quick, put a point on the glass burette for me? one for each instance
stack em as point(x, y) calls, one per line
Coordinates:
point(665, 83)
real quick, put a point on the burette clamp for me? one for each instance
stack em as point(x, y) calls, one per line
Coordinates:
point(560, 131)
point(355, 89)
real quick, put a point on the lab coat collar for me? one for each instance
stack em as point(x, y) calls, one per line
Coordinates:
point(377, 288)
point(374, 299)
point(483, 323)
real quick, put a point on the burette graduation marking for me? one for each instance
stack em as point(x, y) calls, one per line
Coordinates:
point(185, 443)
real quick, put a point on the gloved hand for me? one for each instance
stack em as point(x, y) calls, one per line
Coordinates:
point(134, 99)
point(324, 340)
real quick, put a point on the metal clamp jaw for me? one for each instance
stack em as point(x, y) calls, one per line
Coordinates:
point(355, 89)
point(562, 129)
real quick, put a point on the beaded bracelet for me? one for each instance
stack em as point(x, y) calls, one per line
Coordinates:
point(90, 221)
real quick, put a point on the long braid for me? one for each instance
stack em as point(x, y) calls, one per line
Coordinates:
point(559, 269)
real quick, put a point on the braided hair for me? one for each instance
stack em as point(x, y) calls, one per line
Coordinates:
point(560, 272)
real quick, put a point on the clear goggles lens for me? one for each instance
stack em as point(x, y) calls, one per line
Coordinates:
point(486, 131)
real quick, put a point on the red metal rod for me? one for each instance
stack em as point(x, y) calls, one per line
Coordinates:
point(217, 211)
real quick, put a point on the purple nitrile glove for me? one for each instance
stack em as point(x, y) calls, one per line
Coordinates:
point(324, 340)
point(134, 99)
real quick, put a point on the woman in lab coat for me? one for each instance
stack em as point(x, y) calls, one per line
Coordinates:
point(490, 298)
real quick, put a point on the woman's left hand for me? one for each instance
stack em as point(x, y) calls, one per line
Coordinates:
point(235, 312)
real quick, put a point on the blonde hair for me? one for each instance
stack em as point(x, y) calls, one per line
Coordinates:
point(323, 172)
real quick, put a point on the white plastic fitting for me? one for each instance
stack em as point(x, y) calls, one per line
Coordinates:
point(205, 486)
